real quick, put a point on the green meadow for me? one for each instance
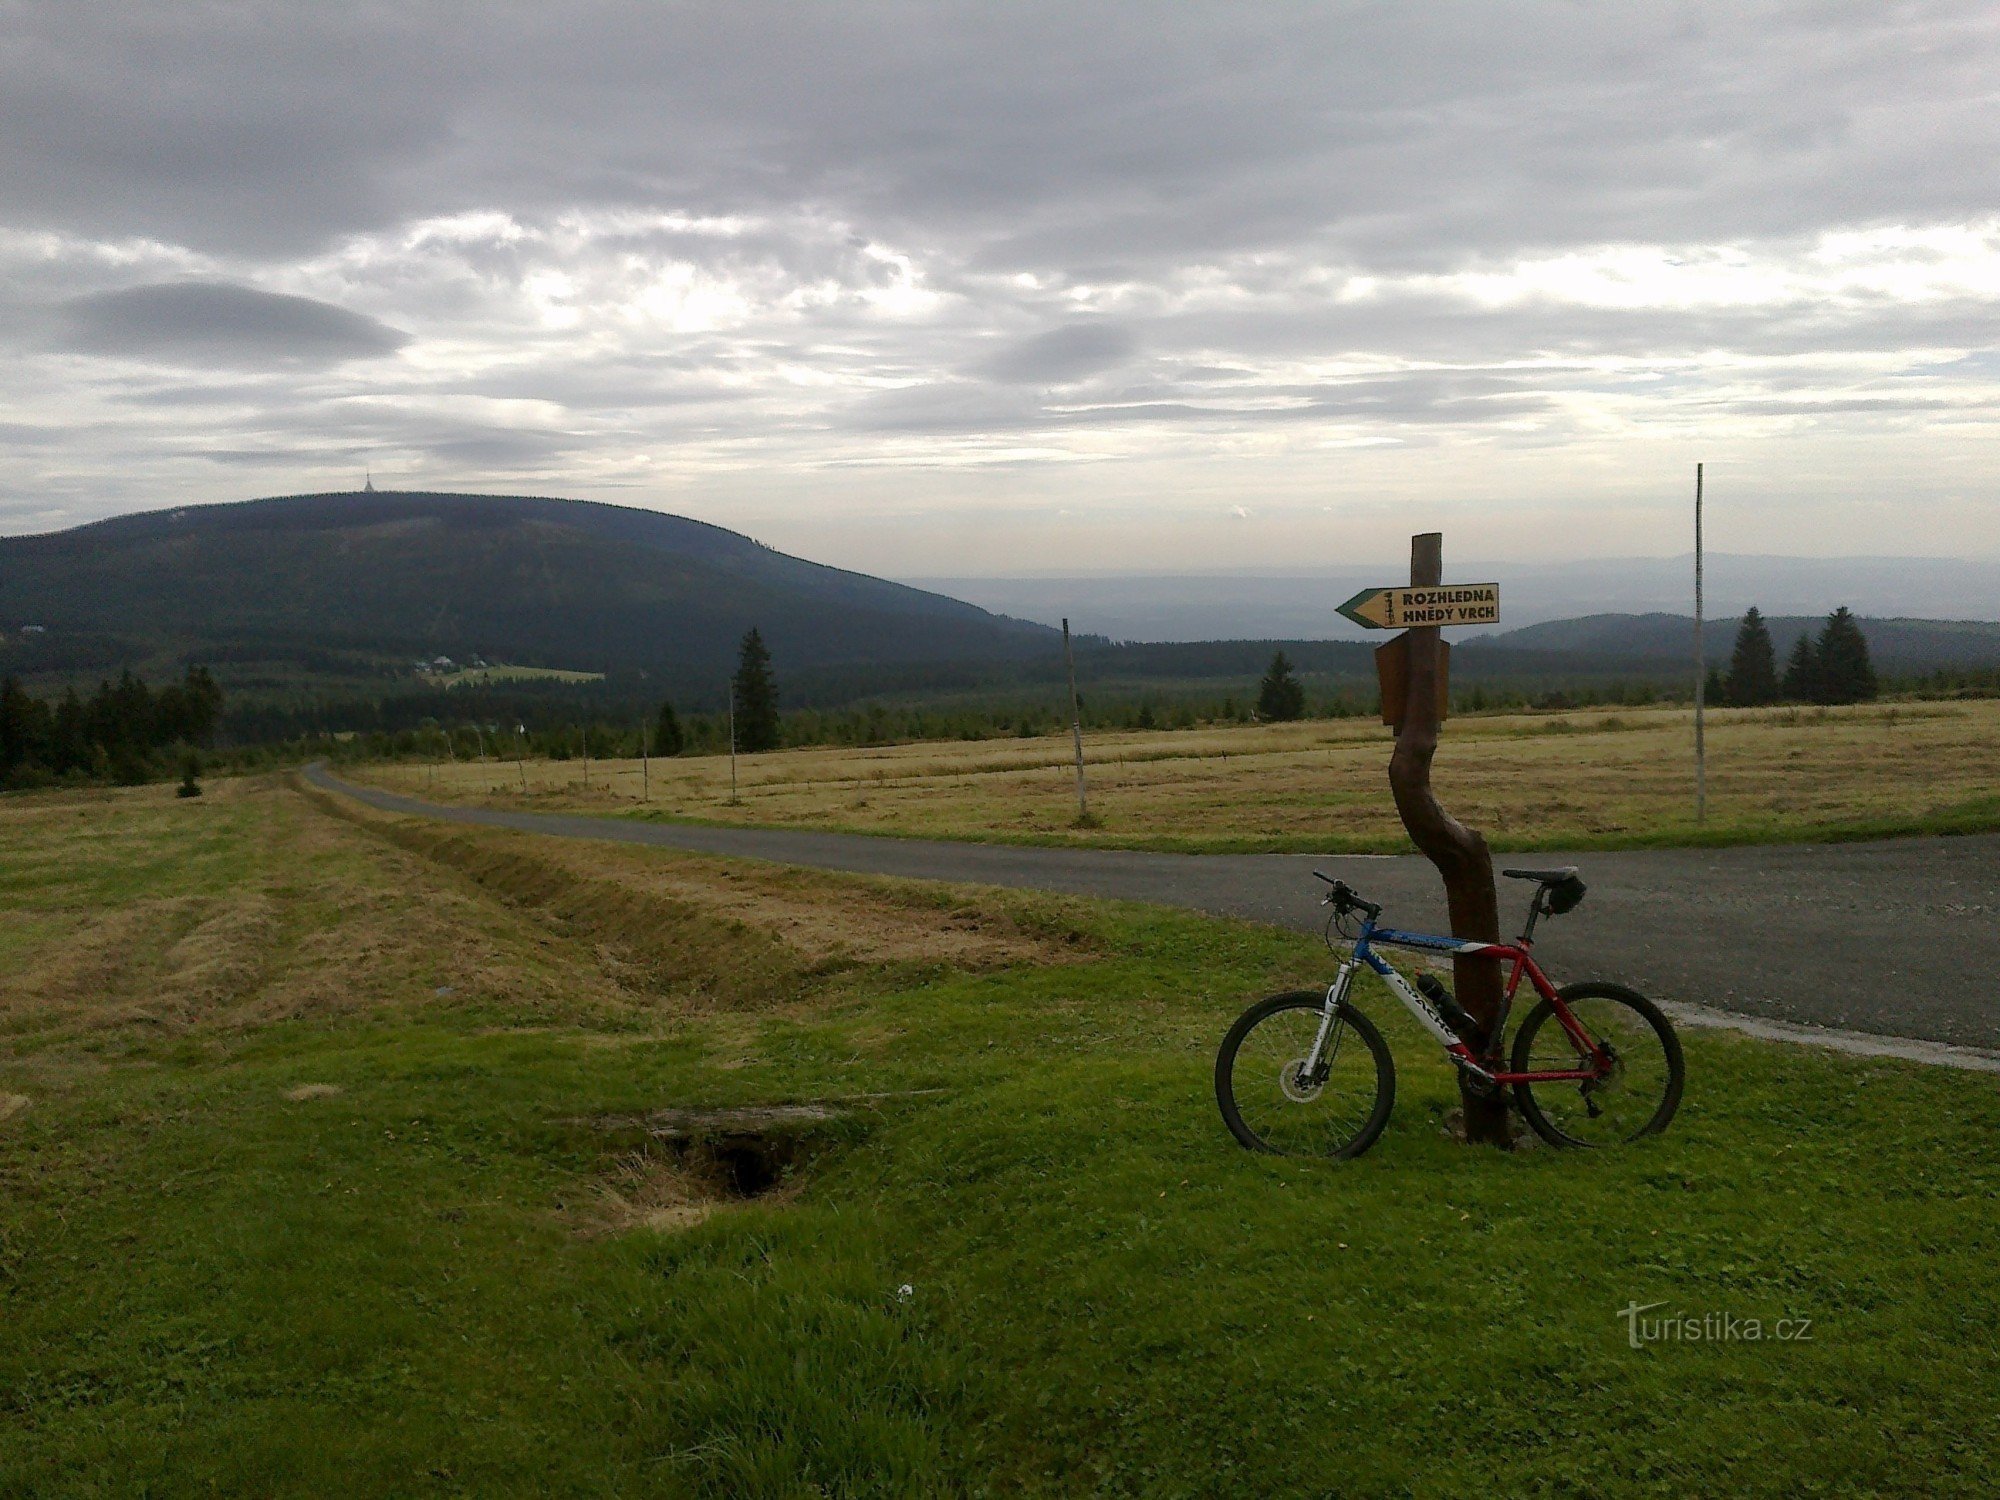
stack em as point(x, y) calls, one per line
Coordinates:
point(331, 1162)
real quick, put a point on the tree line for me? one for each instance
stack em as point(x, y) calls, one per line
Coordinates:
point(125, 732)
point(1830, 668)
point(753, 723)
point(129, 732)
point(1833, 668)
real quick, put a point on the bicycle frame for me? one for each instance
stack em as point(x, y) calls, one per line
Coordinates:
point(1455, 1046)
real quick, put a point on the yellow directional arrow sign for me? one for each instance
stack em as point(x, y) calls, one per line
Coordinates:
point(1446, 604)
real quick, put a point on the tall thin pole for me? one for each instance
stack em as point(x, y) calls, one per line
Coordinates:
point(732, 743)
point(645, 766)
point(1075, 725)
point(1700, 673)
point(584, 735)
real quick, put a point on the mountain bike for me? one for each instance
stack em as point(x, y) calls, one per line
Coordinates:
point(1306, 1074)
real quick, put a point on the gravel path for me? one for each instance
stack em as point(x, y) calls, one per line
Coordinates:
point(1885, 938)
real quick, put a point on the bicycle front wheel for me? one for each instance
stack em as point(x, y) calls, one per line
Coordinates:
point(1637, 1097)
point(1270, 1105)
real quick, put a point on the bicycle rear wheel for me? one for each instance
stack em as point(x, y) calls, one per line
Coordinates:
point(1268, 1106)
point(1637, 1098)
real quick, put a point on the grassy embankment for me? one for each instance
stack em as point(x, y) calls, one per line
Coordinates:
point(303, 1190)
point(1580, 780)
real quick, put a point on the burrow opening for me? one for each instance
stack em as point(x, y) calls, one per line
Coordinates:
point(733, 1155)
point(745, 1166)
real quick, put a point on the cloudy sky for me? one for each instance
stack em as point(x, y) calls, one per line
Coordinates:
point(943, 288)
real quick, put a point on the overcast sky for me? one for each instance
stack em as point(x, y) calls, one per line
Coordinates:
point(940, 288)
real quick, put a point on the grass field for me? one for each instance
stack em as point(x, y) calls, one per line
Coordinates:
point(317, 1177)
point(1581, 780)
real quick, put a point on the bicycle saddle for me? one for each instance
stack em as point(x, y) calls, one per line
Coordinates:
point(1560, 890)
point(1546, 877)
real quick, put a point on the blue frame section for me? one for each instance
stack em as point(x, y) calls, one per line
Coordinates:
point(1371, 934)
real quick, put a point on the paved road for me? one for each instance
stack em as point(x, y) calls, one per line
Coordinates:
point(1895, 937)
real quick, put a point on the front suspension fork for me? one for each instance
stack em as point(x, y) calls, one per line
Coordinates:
point(1329, 1025)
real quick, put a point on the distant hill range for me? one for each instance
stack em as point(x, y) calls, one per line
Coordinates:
point(1298, 604)
point(341, 596)
point(353, 587)
point(1894, 645)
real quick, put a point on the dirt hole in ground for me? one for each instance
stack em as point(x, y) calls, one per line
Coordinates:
point(680, 1166)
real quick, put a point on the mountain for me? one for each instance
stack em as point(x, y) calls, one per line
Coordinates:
point(1895, 645)
point(1298, 603)
point(361, 585)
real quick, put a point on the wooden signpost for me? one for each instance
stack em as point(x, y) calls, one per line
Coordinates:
point(1412, 671)
point(1392, 671)
point(1400, 608)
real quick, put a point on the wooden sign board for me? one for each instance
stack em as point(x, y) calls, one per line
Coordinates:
point(1408, 608)
point(1392, 670)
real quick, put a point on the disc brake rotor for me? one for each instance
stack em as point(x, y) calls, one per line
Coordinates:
point(1297, 1088)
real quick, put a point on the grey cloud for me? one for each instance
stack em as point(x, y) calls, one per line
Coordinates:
point(275, 458)
point(947, 407)
point(1062, 355)
point(217, 321)
point(1849, 405)
point(1164, 134)
point(1465, 398)
point(497, 448)
point(1122, 217)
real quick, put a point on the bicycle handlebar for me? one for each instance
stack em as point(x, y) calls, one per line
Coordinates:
point(1343, 899)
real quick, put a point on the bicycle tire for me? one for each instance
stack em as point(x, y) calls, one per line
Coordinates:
point(1306, 1133)
point(1566, 1114)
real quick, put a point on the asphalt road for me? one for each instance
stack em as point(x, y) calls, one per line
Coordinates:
point(1895, 937)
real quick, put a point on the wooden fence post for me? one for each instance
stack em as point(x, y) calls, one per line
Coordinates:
point(1075, 727)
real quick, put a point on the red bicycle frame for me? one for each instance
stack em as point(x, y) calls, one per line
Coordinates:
point(1592, 1060)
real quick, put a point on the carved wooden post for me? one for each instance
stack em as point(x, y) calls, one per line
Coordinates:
point(1459, 853)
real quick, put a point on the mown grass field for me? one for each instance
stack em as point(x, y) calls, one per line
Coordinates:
point(305, 1188)
point(1590, 779)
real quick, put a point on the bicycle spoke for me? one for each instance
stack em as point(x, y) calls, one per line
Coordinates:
point(1618, 1105)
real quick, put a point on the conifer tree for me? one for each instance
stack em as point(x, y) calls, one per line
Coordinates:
point(1802, 673)
point(756, 697)
point(667, 739)
point(1279, 696)
point(1753, 665)
point(17, 727)
point(1845, 673)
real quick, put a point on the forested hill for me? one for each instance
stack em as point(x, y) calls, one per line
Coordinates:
point(355, 585)
point(1897, 645)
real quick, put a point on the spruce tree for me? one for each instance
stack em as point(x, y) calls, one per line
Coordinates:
point(1753, 665)
point(1802, 673)
point(667, 738)
point(1845, 673)
point(204, 706)
point(756, 697)
point(1279, 696)
point(14, 712)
